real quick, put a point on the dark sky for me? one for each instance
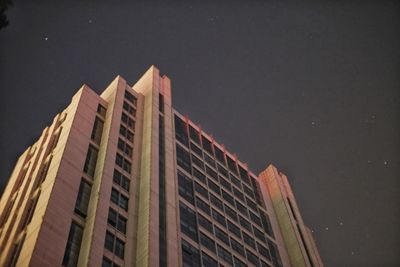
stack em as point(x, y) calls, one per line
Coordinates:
point(311, 88)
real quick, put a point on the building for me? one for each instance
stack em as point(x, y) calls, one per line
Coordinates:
point(122, 179)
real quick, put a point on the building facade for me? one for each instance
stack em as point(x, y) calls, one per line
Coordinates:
point(122, 179)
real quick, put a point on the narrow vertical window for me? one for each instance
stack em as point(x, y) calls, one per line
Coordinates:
point(90, 162)
point(82, 201)
point(97, 130)
point(71, 254)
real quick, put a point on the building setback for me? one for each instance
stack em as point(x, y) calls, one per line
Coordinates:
point(122, 179)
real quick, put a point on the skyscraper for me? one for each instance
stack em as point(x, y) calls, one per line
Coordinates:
point(122, 179)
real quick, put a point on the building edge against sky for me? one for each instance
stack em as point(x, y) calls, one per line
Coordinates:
point(112, 181)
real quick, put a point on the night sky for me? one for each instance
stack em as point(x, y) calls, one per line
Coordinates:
point(311, 88)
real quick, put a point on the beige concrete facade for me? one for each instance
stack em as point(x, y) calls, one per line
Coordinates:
point(38, 206)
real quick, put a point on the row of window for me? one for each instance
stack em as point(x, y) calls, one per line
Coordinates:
point(189, 222)
point(115, 219)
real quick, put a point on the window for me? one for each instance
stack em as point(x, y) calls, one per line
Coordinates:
point(181, 131)
point(263, 251)
point(234, 229)
point(252, 258)
point(108, 263)
point(201, 190)
point(116, 220)
point(244, 175)
point(245, 223)
point(199, 175)
point(264, 264)
point(123, 163)
point(212, 173)
point(260, 235)
point(266, 224)
point(124, 147)
point(224, 254)
point(188, 221)
point(196, 150)
point(185, 187)
point(97, 130)
point(90, 162)
point(232, 165)
point(161, 103)
point(115, 245)
point(249, 240)
point(128, 121)
point(228, 198)
point(218, 217)
point(209, 160)
point(205, 223)
point(221, 235)
point(237, 246)
point(183, 158)
point(131, 110)
point(121, 180)
point(101, 110)
point(254, 218)
point(194, 134)
point(222, 170)
point(248, 191)
point(198, 162)
point(82, 201)
point(126, 133)
point(225, 183)
point(273, 249)
point(238, 194)
point(71, 254)
point(239, 263)
point(203, 206)
point(208, 261)
point(131, 98)
point(207, 242)
point(241, 208)
point(231, 213)
point(214, 187)
point(190, 255)
point(207, 145)
point(219, 154)
point(251, 204)
point(235, 181)
point(119, 199)
point(216, 202)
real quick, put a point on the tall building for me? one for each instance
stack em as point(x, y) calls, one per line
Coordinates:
point(122, 179)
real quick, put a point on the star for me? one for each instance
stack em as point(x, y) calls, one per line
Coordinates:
point(313, 123)
point(46, 38)
point(341, 223)
point(385, 163)
point(352, 253)
point(326, 228)
point(90, 21)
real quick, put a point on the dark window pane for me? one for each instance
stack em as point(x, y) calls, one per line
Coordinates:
point(183, 158)
point(188, 221)
point(198, 162)
point(238, 194)
point(194, 134)
point(209, 160)
point(190, 255)
point(212, 173)
point(119, 248)
point(239, 263)
point(101, 110)
point(218, 217)
point(241, 208)
point(224, 254)
point(221, 235)
point(196, 150)
point(214, 187)
point(266, 224)
point(231, 213)
point(207, 145)
point(97, 130)
point(249, 240)
point(185, 187)
point(90, 162)
point(109, 242)
point(181, 131)
point(112, 217)
point(130, 97)
point(199, 175)
point(252, 258)
point(254, 218)
point(216, 202)
point(208, 261)
point(207, 242)
point(203, 206)
point(205, 223)
point(201, 190)
point(232, 165)
point(82, 201)
point(71, 254)
point(228, 198)
point(234, 229)
point(238, 247)
point(219, 155)
point(263, 251)
point(245, 223)
point(244, 175)
point(106, 262)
